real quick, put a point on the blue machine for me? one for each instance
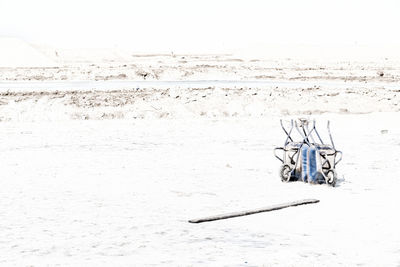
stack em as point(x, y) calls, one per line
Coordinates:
point(307, 160)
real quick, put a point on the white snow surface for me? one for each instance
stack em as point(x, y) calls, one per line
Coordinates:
point(121, 192)
point(17, 53)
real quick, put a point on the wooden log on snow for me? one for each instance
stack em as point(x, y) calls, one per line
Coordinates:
point(249, 212)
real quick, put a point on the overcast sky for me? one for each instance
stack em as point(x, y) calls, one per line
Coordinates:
point(176, 24)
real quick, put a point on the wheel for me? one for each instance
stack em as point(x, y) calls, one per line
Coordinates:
point(285, 173)
point(331, 178)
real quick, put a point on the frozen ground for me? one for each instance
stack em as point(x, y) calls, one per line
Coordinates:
point(120, 192)
point(109, 175)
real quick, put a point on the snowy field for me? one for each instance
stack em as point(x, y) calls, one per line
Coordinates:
point(120, 121)
point(120, 193)
point(106, 155)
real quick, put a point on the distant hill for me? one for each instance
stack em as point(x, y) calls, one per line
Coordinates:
point(17, 53)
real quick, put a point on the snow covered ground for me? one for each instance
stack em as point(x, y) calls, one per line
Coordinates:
point(120, 193)
point(108, 173)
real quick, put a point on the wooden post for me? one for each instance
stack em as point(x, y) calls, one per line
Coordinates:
point(249, 212)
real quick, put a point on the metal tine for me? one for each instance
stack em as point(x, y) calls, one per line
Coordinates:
point(309, 133)
point(287, 133)
point(297, 128)
point(319, 137)
point(330, 135)
point(312, 138)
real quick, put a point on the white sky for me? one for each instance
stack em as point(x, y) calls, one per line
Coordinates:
point(202, 24)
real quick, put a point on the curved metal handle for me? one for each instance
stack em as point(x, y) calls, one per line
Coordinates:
point(330, 135)
point(341, 156)
point(276, 156)
point(305, 134)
